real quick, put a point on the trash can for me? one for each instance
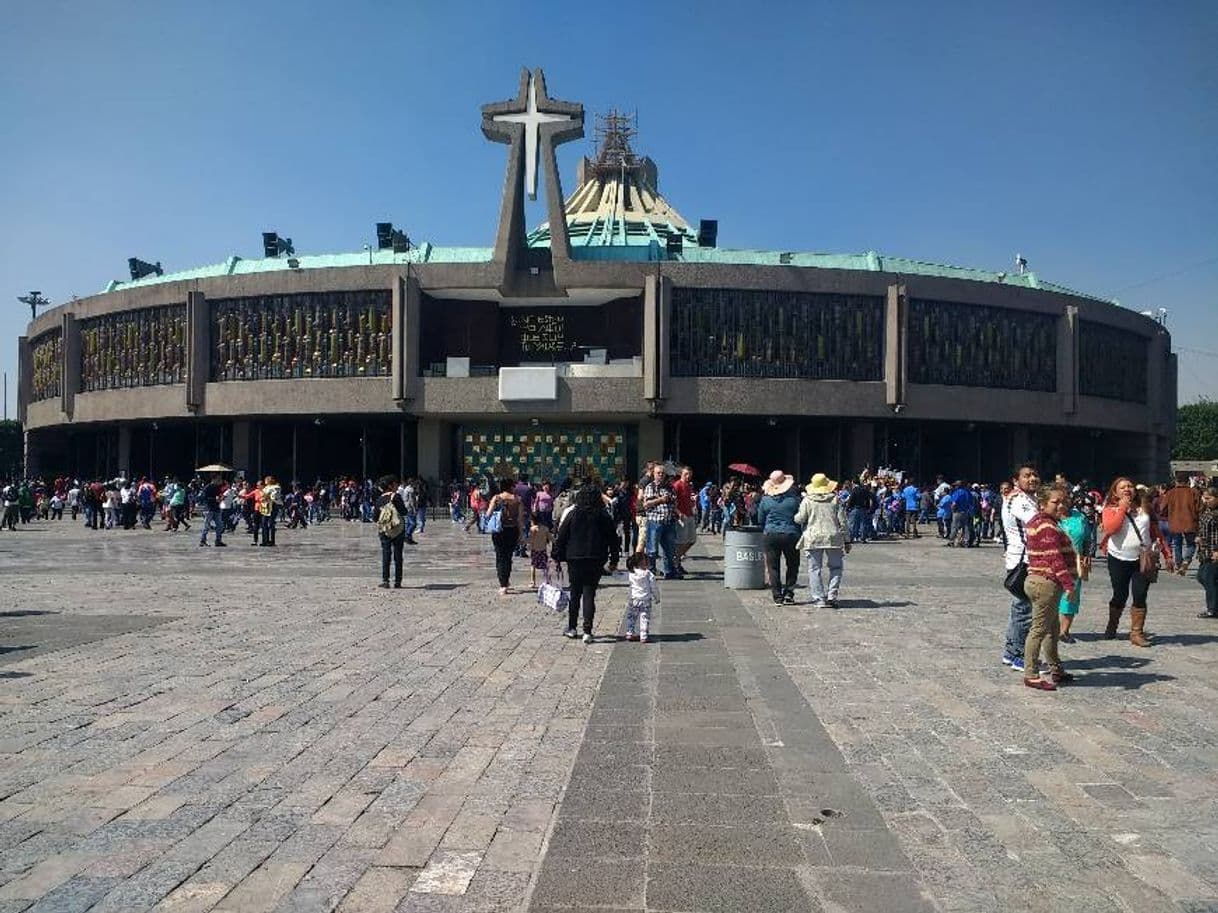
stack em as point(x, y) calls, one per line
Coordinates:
point(744, 558)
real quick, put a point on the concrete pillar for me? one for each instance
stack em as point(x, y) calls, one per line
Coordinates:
point(25, 378)
point(896, 336)
point(241, 449)
point(198, 351)
point(124, 451)
point(407, 310)
point(651, 440)
point(1021, 445)
point(1067, 360)
point(70, 369)
point(657, 321)
point(431, 449)
point(860, 447)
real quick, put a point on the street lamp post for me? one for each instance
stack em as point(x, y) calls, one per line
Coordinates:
point(35, 301)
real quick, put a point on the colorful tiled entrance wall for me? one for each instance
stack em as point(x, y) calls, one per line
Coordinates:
point(547, 452)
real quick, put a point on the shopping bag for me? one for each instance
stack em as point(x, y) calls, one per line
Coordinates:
point(554, 597)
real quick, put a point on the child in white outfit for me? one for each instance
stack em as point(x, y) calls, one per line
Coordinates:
point(644, 591)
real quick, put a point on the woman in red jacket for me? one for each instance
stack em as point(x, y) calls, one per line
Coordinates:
point(1128, 527)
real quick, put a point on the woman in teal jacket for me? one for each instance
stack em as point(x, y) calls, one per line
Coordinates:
point(776, 514)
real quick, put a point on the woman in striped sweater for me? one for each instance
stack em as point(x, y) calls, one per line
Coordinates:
point(1052, 563)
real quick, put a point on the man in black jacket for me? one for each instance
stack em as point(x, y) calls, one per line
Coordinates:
point(860, 506)
point(583, 542)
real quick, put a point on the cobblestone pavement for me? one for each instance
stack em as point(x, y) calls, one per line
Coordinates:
point(185, 729)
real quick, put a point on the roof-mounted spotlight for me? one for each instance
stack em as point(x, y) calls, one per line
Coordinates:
point(35, 301)
point(675, 244)
point(274, 246)
point(708, 232)
point(293, 263)
point(390, 238)
point(140, 268)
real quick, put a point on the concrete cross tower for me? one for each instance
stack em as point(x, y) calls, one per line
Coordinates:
point(533, 125)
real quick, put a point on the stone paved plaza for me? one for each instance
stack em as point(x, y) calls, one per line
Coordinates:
point(251, 730)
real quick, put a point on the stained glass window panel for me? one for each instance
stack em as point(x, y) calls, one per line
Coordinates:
point(743, 333)
point(1112, 363)
point(968, 345)
point(314, 334)
point(143, 348)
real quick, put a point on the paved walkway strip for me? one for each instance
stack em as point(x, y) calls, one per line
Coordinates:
point(706, 783)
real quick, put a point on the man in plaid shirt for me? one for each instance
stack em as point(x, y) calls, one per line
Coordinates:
point(660, 507)
point(1207, 551)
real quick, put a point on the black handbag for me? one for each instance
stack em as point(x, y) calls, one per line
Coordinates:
point(1017, 575)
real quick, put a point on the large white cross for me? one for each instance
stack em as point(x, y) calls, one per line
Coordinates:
point(532, 120)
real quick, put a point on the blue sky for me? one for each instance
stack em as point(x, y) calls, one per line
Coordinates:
point(1083, 135)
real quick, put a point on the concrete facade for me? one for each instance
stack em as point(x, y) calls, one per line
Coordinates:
point(653, 395)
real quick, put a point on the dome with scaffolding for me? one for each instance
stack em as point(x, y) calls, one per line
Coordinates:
point(616, 202)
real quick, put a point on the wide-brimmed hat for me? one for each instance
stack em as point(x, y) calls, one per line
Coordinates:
point(777, 483)
point(820, 484)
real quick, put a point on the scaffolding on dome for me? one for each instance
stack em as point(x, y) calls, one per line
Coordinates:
point(613, 134)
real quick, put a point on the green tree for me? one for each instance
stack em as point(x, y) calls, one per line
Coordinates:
point(1197, 431)
point(10, 448)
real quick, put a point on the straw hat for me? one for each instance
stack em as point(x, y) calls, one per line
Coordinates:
point(821, 484)
point(777, 483)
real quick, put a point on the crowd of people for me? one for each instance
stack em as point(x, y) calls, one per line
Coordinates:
point(262, 505)
point(1049, 533)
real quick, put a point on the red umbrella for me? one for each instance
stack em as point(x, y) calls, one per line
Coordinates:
point(744, 469)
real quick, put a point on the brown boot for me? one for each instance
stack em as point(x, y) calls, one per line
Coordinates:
point(1114, 619)
point(1137, 620)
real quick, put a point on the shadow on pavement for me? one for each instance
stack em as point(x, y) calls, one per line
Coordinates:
point(1109, 662)
point(872, 604)
point(1184, 640)
point(4, 675)
point(4, 650)
point(1130, 681)
point(675, 638)
point(22, 613)
point(436, 586)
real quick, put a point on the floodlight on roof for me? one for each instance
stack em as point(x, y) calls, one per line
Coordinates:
point(141, 268)
point(388, 237)
point(675, 244)
point(708, 232)
point(274, 246)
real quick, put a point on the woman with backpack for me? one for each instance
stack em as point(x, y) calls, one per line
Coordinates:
point(505, 519)
point(390, 513)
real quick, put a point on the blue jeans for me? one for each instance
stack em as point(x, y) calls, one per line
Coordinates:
point(662, 536)
point(213, 521)
point(1183, 546)
point(410, 522)
point(818, 557)
point(860, 520)
point(1018, 626)
point(1207, 576)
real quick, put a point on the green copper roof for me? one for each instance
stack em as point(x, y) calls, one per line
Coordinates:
point(238, 266)
point(629, 243)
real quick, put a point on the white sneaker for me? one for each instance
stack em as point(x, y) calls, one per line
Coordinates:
point(587, 638)
point(570, 632)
